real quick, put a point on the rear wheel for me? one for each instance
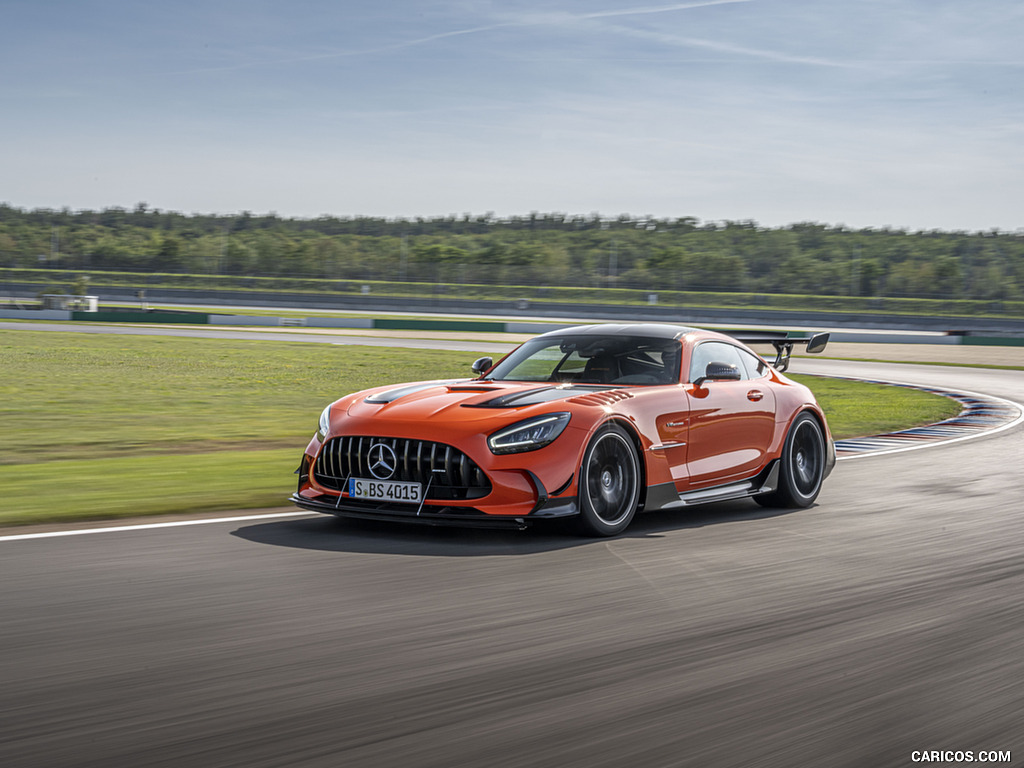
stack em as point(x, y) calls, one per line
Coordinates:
point(609, 486)
point(802, 468)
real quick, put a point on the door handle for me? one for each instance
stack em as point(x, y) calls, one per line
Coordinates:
point(754, 395)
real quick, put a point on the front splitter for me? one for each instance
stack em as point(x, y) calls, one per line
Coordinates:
point(426, 516)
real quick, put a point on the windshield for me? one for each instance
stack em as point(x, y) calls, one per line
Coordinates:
point(588, 359)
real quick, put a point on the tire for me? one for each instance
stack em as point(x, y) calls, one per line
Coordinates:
point(609, 485)
point(803, 466)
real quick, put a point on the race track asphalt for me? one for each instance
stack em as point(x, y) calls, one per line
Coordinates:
point(884, 620)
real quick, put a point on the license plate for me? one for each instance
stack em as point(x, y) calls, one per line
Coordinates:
point(384, 490)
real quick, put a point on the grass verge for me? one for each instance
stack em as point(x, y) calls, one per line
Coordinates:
point(62, 491)
point(116, 426)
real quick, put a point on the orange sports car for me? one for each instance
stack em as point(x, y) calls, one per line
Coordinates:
point(595, 422)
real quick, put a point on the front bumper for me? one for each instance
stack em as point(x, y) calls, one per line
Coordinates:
point(461, 517)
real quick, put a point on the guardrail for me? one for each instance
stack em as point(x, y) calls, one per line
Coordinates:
point(165, 317)
point(451, 303)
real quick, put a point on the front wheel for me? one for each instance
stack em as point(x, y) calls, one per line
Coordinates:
point(609, 485)
point(803, 466)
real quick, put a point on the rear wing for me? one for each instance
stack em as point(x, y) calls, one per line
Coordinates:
point(783, 341)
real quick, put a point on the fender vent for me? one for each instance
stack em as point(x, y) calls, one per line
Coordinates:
point(602, 398)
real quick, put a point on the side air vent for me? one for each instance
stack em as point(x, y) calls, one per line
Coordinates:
point(602, 398)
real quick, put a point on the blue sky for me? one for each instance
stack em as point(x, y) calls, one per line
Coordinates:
point(868, 113)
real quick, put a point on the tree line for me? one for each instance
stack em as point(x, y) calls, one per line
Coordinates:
point(538, 249)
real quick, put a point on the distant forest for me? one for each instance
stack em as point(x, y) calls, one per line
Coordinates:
point(549, 249)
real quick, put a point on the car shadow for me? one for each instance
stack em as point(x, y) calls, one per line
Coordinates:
point(716, 513)
point(335, 534)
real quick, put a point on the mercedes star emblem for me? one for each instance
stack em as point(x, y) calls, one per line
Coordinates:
point(383, 461)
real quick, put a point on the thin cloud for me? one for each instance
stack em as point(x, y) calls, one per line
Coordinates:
point(658, 9)
point(730, 48)
point(531, 20)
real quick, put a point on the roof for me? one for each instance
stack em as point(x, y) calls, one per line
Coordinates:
point(648, 330)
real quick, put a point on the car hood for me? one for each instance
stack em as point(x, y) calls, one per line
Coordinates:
point(471, 400)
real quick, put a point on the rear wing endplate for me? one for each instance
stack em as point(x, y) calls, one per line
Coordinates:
point(783, 341)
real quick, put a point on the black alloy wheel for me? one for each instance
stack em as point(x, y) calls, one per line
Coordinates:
point(803, 465)
point(609, 485)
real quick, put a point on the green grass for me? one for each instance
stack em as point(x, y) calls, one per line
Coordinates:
point(69, 395)
point(146, 485)
point(113, 426)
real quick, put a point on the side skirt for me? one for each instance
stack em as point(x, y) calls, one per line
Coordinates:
point(665, 495)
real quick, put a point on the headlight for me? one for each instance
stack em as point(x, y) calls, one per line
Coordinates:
point(325, 424)
point(528, 435)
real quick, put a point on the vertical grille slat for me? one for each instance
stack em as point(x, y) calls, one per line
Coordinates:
point(450, 473)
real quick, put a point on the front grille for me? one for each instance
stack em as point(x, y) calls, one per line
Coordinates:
point(451, 474)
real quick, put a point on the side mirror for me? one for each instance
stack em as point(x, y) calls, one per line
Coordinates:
point(719, 372)
point(482, 365)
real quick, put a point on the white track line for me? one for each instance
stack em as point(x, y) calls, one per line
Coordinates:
point(145, 526)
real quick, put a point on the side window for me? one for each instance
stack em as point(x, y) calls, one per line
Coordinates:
point(650, 364)
point(715, 352)
point(756, 368)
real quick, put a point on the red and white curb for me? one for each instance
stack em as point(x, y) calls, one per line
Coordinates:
point(980, 415)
